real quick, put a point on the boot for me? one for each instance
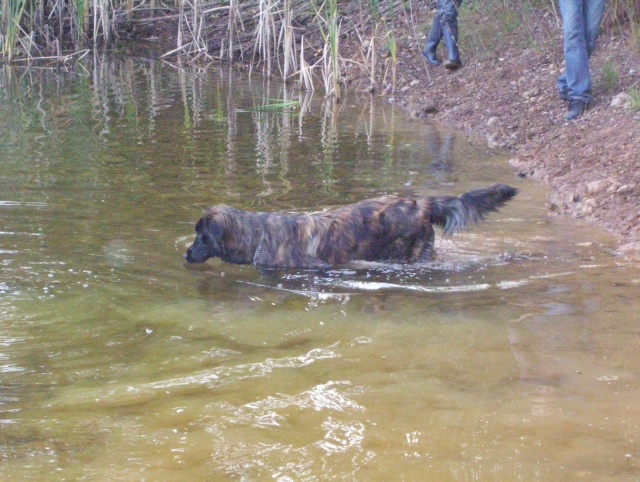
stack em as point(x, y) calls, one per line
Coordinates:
point(433, 40)
point(450, 34)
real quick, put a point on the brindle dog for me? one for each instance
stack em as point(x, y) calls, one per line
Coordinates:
point(388, 229)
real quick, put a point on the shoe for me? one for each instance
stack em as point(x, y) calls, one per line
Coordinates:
point(430, 55)
point(450, 34)
point(433, 40)
point(564, 95)
point(576, 109)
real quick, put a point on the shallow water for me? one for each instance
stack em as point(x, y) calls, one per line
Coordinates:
point(513, 356)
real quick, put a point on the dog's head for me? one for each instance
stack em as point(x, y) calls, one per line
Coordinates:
point(208, 242)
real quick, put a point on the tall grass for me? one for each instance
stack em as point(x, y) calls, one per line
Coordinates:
point(610, 75)
point(289, 38)
point(11, 18)
point(635, 98)
point(31, 29)
point(625, 14)
point(329, 25)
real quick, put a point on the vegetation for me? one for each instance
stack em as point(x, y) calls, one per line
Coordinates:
point(635, 98)
point(296, 39)
point(609, 75)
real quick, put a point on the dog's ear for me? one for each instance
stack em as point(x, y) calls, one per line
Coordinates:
point(213, 228)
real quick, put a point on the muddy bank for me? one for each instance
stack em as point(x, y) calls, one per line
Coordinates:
point(592, 164)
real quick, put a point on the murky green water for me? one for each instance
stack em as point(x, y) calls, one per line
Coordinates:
point(514, 356)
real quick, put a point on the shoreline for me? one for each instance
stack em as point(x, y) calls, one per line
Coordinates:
point(591, 164)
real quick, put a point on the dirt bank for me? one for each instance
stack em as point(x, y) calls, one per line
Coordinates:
point(509, 98)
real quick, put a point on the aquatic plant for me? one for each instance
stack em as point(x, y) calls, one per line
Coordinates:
point(330, 29)
point(277, 105)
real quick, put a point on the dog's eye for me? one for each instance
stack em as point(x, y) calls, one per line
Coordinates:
point(208, 239)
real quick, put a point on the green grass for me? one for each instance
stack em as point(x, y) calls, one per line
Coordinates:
point(610, 75)
point(10, 19)
point(635, 98)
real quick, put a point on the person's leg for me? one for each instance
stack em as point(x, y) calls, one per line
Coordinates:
point(593, 12)
point(577, 76)
point(448, 11)
point(433, 40)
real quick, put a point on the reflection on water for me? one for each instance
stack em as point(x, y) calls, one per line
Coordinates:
point(513, 356)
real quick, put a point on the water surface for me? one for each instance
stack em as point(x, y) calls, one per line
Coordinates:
point(513, 356)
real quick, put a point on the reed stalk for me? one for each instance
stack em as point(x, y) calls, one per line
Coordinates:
point(12, 12)
point(290, 60)
point(305, 71)
point(233, 9)
point(265, 34)
point(330, 30)
point(393, 51)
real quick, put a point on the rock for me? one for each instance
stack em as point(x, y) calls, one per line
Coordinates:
point(572, 197)
point(627, 189)
point(621, 100)
point(515, 162)
point(430, 108)
point(630, 249)
point(493, 120)
point(586, 244)
point(414, 82)
point(595, 187)
point(583, 209)
point(615, 185)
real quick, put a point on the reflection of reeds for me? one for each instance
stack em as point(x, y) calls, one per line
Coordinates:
point(199, 120)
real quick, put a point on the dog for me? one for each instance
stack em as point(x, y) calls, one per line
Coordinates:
point(386, 229)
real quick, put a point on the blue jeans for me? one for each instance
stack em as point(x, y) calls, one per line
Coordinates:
point(448, 10)
point(581, 25)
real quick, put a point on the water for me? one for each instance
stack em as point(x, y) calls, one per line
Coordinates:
point(513, 356)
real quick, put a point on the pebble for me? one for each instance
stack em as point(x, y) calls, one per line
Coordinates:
point(621, 100)
point(595, 187)
point(627, 189)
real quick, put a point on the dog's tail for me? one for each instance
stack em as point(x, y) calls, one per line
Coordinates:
point(456, 213)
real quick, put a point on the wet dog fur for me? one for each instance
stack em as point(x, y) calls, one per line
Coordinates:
point(385, 229)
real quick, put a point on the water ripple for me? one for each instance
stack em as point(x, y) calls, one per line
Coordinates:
point(225, 374)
